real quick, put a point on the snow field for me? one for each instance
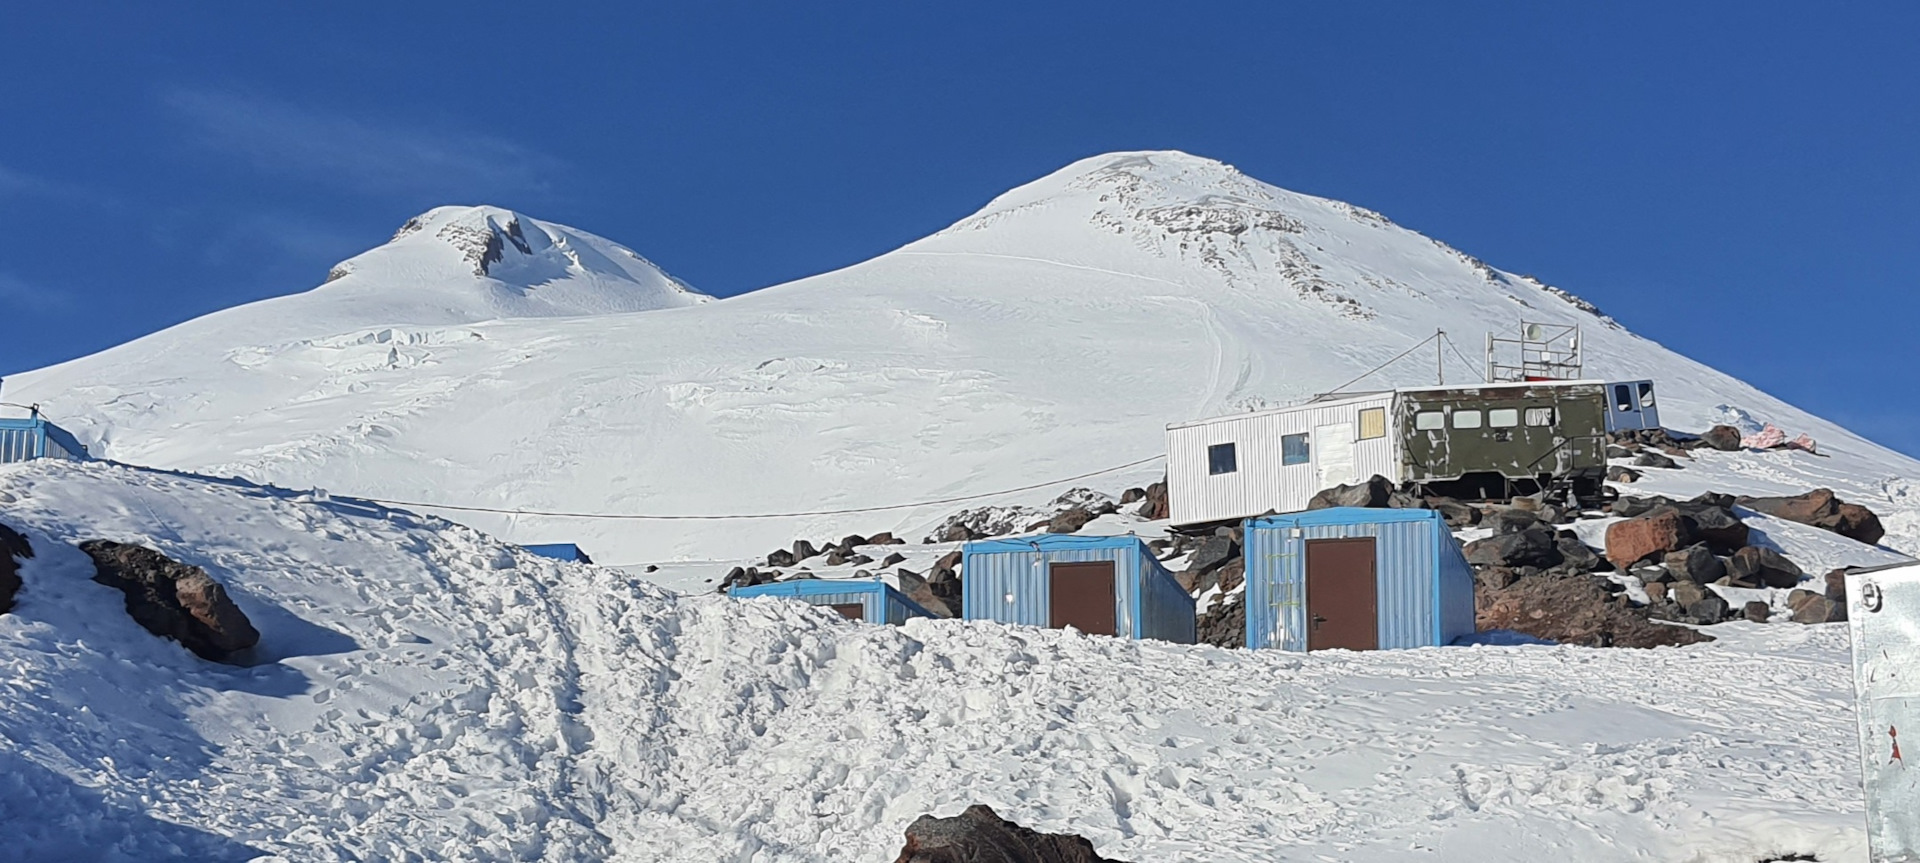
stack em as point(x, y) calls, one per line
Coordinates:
point(426, 693)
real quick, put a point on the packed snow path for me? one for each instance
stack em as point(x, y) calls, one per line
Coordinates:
point(426, 693)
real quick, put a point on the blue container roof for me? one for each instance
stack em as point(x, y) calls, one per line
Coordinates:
point(815, 587)
point(1347, 515)
point(59, 436)
point(1051, 542)
point(558, 551)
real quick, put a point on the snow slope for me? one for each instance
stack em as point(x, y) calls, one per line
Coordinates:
point(427, 693)
point(1055, 332)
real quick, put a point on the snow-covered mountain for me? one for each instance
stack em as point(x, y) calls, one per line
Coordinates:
point(1055, 332)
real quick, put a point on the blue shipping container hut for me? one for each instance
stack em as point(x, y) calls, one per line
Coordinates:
point(1359, 579)
point(34, 437)
point(873, 600)
point(1105, 585)
point(560, 551)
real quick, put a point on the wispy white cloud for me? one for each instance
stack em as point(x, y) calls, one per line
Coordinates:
point(17, 293)
point(370, 155)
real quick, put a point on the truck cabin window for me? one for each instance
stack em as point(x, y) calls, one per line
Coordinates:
point(1539, 417)
point(1503, 418)
point(1429, 420)
point(1466, 419)
point(1294, 449)
point(1220, 459)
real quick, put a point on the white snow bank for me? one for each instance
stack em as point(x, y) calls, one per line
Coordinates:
point(429, 693)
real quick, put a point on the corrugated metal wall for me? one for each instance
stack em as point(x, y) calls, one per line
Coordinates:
point(1424, 584)
point(878, 602)
point(1012, 585)
point(21, 444)
point(1262, 482)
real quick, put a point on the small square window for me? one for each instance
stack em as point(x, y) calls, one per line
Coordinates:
point(1220, 459)
point(1294, 449)
point(1503, 418)
point(1539, 417)
point(1429, 420)
point(1373, 423)
point(1466, 419)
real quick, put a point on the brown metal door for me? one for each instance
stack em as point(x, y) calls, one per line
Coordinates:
point(1342, 593)
point(1081, 596)
point(851, 610)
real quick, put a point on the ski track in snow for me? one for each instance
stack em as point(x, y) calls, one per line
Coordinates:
point(427, 693)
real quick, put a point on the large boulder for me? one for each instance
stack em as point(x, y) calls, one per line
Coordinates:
point(13, 548)
point(1536, 546)
point(1504, 520)
point(1657, 533)
point(1820, 508)
point(1457, 514)
point(1224, 624)
point(1154, 506)
point(1069, 520)
point(173, 600)
point(1374, 493)
point(1720, 528)
point(978, 835)
point(1577, 556)
point(1758, 566)
point(922, 592)
point(1695, 563)
point(1213, 553)
point(1723, 438)
point(1573, 611)
point(1810, 607)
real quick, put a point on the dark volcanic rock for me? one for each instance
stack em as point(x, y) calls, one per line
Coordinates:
point(12, 545)
point(1810, 607)
point(1837, 586)
point(1763, 567)
point(1224, 625)
point(1822, 509)
point(1374, 493)
point(1722, 438)
point(1629, 507)
point(1697, 564)
point(1709, 610)
point(1457, 514)
point(980, 836)
point(1131, 495)
point(1535, 546)
point(1069, 520)
point(173, 600)
point(1573, 611)
point(1654, 459)
point(1504, 520)
point(1723, 531)
point(1578, 556)
point(1757, 611)
point(1619, 473)
point(1213, 553)
point(1154, 507)
point(802, 550)
point(780, 557)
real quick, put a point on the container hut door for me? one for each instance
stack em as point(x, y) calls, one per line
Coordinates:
point(1333, 455)
point(1081, 596)
point(1342, 589)
point(851, 610)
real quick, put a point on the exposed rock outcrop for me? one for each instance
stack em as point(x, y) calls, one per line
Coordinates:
point(13, 548)
point(1820, 508)
point(1722, 438)
point(1574, 610)
point(1375, 493)
point(173, 600)
point(978, 835)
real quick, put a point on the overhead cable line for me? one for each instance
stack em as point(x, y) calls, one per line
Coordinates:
point(757, 515)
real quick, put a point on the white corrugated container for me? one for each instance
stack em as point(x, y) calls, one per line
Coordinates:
point(1261, 481)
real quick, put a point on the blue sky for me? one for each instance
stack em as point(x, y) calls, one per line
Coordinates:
point(1734, 180)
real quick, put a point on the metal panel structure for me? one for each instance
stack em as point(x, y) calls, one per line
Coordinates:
point(1424, 594)
point(878, 602)
point(34, 438)
point(1883, 611)
point(1632, 405)
point(1009, 580)
point(1573, 437)
point(560, 551)
point(1263, 481)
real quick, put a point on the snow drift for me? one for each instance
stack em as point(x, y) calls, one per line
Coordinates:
point(425, 692)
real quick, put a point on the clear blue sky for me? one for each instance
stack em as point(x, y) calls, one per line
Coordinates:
point(1735, 180)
